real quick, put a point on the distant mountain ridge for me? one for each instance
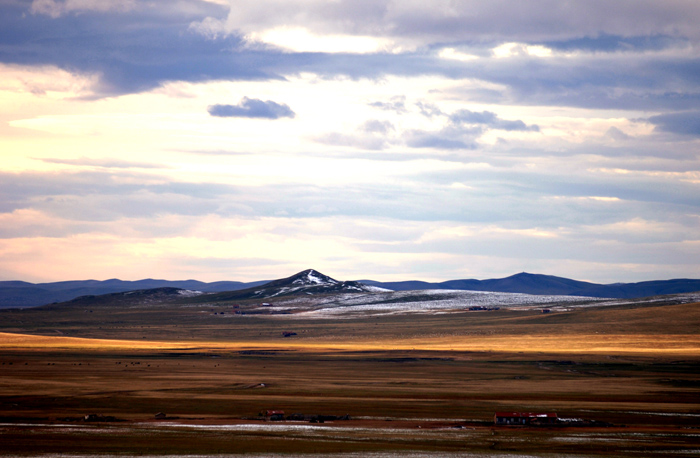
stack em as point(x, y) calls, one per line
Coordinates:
point(23, 294)
point(550, 285)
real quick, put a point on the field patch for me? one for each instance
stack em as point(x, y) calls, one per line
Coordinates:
point(576, 343)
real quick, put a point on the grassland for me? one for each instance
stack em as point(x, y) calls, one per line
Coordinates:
point(428, 383)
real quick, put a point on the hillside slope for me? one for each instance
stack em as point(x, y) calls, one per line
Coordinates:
point(307, 282)
point(19, 294)
point(548, 284)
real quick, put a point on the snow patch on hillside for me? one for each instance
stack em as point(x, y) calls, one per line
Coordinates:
point(680, 298)
point(189, 293)
point(427, 301)
point(313, 277)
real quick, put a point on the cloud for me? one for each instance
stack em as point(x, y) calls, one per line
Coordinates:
point(354, 140)
point(460, 131)
point(491, 120)
point(105, 163)
point(252, 108)
point(375, 126)
point(372, 135)
point(429, 110)
point(618, 43)
point(422, 139)
point(58, 8)
point(463, 129)
point(396, 104)
point(132, 49)
point(414, 98)
point(412, 25)
point(684, 123)
point(616, 134)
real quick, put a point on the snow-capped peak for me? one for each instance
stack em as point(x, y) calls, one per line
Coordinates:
point(306, 282)
point(313, 277)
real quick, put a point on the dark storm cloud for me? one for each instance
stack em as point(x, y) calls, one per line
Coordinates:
point(252, 108)
point(684, 123)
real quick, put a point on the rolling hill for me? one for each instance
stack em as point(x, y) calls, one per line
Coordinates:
point(19, 294)
point(548, 284)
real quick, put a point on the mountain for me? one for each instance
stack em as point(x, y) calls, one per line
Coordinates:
point(550, 285)
point(519, 283)
point(131, 298)
point(19, 294)
point(643, 289)
point(306, 282)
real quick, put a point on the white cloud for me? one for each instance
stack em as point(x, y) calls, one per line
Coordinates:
point(520, 49)
point(453, 54)
point(299, 39)
point(415, 24)
point(147, 172)
point(57, 8)
point(47, 81)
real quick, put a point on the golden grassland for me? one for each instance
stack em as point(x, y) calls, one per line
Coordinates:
point(681, 344)
point(406, 381)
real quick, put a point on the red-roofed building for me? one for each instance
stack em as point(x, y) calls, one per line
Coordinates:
point(273, 415)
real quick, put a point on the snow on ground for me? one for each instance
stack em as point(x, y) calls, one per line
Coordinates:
point(377, 289)
point(426, 301)
point(683, 298)
point(189, 293)
point(378, 301)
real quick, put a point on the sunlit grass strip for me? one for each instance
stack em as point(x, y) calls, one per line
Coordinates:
point(26, 341)
point(576, 343)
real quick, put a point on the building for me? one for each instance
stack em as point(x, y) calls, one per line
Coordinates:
point(524, 418)
point(273, 415)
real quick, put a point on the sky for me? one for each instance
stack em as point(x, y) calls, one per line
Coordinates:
point(384, 139)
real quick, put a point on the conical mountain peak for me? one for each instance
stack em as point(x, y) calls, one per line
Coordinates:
point(312, 277)
point(307, 282)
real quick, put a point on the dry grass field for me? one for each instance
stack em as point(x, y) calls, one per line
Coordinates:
point(411, 384)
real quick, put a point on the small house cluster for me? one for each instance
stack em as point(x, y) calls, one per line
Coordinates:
point(278, 415)
point(273, 415)
point(525, 418)
point(99, 417)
